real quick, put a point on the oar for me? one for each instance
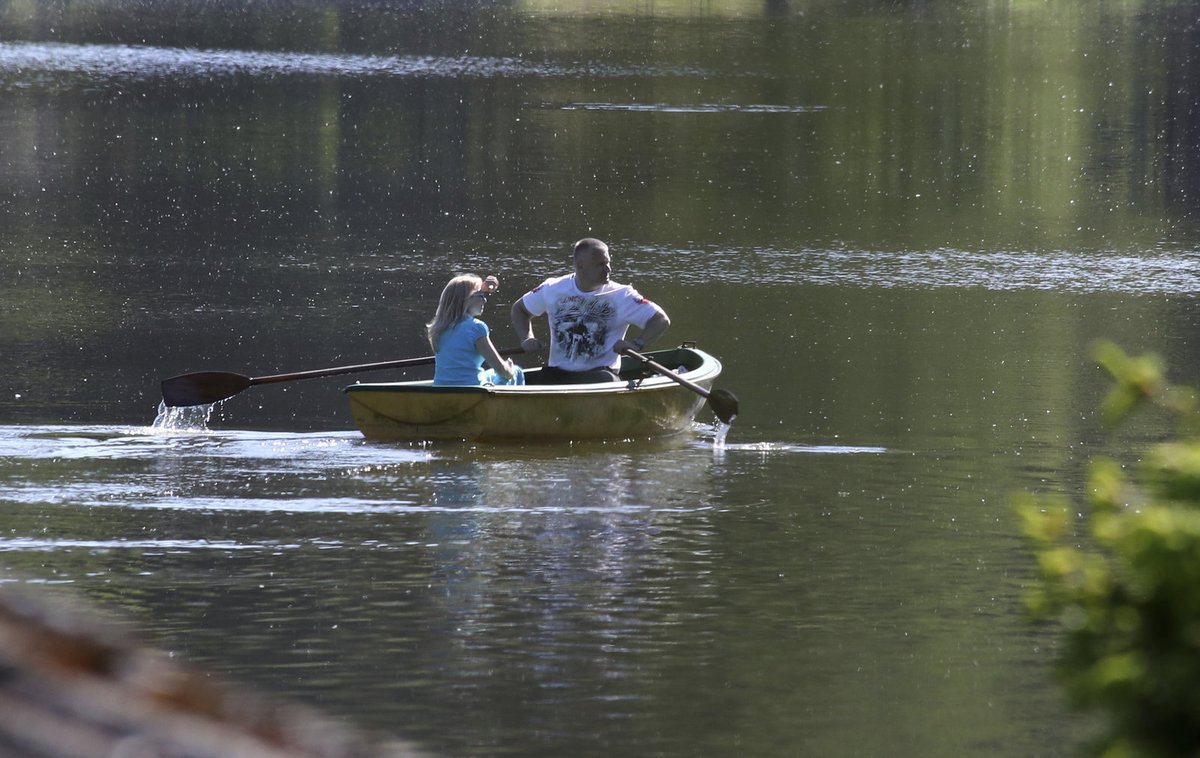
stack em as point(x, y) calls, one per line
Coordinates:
point(723, 402)
point(208, 387)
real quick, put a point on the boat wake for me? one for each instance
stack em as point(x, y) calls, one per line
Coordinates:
point(776, 448)
point(717, 434)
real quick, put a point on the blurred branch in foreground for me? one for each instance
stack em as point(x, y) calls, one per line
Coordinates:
point(73, 683)
point(1122, 578)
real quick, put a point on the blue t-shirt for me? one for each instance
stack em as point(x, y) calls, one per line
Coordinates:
point(457, 361)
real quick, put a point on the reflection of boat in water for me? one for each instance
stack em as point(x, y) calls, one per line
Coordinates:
point(642, 404)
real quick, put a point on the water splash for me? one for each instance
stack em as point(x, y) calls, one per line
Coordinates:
point(720, 432)
point(185, 418)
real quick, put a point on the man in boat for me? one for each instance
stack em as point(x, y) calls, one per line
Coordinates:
point(589, 316)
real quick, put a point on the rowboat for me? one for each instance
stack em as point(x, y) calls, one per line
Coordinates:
point(643, 403)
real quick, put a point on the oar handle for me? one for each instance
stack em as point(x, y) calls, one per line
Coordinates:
point(320, 372)
point(722, 402)
point(667, 372)
point(207, 387)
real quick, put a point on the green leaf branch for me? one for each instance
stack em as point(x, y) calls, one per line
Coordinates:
point(1122, 579)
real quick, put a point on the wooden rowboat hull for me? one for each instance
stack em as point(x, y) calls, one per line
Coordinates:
point(643, 404)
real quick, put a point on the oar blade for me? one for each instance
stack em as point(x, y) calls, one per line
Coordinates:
point(202, 388)
point(724, 404)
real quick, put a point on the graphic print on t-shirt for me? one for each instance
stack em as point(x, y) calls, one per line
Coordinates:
point(581, 326)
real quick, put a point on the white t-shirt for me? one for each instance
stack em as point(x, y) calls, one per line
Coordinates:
point(584, 326)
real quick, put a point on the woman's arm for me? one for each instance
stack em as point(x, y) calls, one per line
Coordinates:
point(503, 366)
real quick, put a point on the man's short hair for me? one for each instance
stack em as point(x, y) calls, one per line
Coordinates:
point(589, 245)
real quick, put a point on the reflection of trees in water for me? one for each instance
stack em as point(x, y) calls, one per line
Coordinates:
point(1181, 114)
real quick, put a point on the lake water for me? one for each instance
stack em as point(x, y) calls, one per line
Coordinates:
point(899, 226)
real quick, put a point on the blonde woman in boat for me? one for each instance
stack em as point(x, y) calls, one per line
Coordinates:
point(462, 342)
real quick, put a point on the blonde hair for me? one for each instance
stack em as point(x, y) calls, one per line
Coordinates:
point(452, 306)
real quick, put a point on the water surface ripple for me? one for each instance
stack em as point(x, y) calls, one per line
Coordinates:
point(136, 63)
point(1062, 271)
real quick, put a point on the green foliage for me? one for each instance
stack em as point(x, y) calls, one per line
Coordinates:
point(1128, 598)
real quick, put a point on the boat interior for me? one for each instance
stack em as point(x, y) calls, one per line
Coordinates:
point(632, 369)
